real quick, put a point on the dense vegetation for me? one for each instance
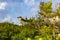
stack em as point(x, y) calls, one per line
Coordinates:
point(44, 27)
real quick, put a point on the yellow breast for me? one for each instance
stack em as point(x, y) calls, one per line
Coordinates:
point(20, 19)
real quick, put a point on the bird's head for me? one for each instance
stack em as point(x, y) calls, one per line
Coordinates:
point(19, 18)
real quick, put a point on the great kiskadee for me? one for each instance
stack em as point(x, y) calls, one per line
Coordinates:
point(21, 20)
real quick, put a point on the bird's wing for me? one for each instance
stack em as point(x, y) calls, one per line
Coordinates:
point(23, 20)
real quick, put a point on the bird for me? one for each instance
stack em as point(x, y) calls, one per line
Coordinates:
point(21, 20)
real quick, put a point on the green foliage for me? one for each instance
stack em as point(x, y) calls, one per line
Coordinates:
point(36, 29)
point(46, 7)
point(58, 11)
point(15, 32)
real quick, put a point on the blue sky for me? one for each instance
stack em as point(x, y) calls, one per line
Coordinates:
point(11, 9)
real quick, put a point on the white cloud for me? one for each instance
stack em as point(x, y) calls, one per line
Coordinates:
point(2, 5)
point(29, 2)
point(7, 18)
point(32, 6)
point(34, 11)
